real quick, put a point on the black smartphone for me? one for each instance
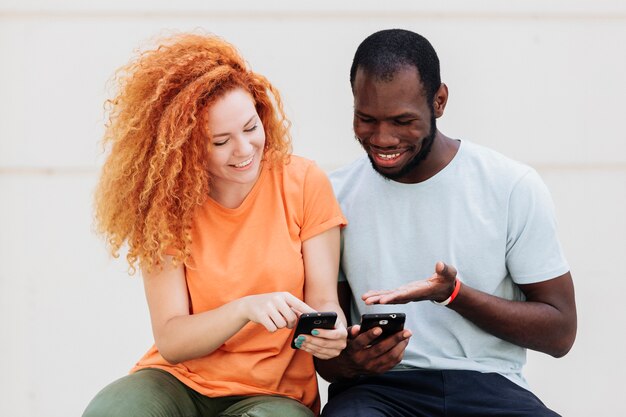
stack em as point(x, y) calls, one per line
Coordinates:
point(391, 323)
point(309, 321)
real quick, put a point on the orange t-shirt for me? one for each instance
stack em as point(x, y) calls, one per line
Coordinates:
point(255, 248)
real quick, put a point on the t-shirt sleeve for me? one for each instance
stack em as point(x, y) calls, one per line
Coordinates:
point(321, 210)
point(533, 250)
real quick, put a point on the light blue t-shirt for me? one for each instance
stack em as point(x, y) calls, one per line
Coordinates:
point(490, 217)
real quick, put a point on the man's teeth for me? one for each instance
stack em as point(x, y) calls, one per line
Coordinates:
point(244, 163)
point(390, 156)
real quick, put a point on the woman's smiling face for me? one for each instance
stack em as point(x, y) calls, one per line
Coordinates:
point(237, 141)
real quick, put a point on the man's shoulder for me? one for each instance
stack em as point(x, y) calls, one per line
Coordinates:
point(494, 163)
point(348, 174)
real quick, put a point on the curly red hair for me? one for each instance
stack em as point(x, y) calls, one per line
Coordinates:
point(155, 175)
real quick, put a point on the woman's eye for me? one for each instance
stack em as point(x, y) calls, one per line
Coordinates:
point(251, 129)
point(220, 143)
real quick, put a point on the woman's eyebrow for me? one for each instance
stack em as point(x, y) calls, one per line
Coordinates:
point(226, 134)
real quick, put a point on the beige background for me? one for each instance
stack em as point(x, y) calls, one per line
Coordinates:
point(541, 81)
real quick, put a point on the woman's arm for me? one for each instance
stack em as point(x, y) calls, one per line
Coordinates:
point(180, 335)
point(321, 268)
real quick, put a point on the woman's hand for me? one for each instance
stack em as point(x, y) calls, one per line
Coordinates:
point(274, 310)
point(324, 343)
point(321, 264)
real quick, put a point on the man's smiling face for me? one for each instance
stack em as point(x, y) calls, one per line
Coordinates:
point(393, 121)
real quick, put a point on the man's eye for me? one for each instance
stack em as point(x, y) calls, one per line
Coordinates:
point(365, 119)
point(402, 122)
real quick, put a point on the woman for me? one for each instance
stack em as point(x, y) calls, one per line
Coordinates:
point(234, 236)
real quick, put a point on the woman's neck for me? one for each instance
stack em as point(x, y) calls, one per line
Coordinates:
point(231, 195)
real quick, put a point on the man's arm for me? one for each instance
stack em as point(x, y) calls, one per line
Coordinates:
point(357, 359)
point(545, 322)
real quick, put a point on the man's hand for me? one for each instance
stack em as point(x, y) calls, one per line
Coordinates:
point(438, 287)
point(362, 358)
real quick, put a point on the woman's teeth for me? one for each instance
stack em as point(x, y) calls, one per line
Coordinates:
point(244, 163)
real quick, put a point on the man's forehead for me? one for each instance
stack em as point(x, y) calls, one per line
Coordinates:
point(387, 74)
point(404, 85)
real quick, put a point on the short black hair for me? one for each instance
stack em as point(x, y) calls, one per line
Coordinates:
point(385, 52)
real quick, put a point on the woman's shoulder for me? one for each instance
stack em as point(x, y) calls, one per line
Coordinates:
point(299, 167)
point(299, 172)
point(296, 162)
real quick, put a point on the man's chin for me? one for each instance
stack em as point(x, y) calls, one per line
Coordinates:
point(390, 173)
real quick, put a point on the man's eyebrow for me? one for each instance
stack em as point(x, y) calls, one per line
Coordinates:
point(406, 115)
point(226, 134)
point(360, 113)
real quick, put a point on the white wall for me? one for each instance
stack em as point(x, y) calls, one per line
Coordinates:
point(541, 81)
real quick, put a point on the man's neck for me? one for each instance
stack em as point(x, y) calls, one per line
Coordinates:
point(441, 154)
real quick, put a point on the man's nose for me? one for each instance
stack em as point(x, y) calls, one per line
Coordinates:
point(383, 136)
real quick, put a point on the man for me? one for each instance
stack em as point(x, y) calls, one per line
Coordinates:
point(448, 221)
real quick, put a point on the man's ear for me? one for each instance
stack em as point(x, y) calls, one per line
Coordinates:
point(440, 100)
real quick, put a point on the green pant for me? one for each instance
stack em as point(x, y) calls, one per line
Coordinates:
point(156, 393)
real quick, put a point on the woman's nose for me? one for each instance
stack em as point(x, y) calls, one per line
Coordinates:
point(243, 146)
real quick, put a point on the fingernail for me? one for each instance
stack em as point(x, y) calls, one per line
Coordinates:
point(315, 332)
point(300, 339)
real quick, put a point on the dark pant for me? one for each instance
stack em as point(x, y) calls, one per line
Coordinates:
point(425, 393)
point(156, 393)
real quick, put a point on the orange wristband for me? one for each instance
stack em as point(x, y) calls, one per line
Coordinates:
point(455, 292)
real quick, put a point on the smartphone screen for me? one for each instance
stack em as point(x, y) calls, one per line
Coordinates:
point(309, 321)
point(390, 323)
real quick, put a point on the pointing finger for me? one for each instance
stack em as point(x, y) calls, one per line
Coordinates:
point(299, 305)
